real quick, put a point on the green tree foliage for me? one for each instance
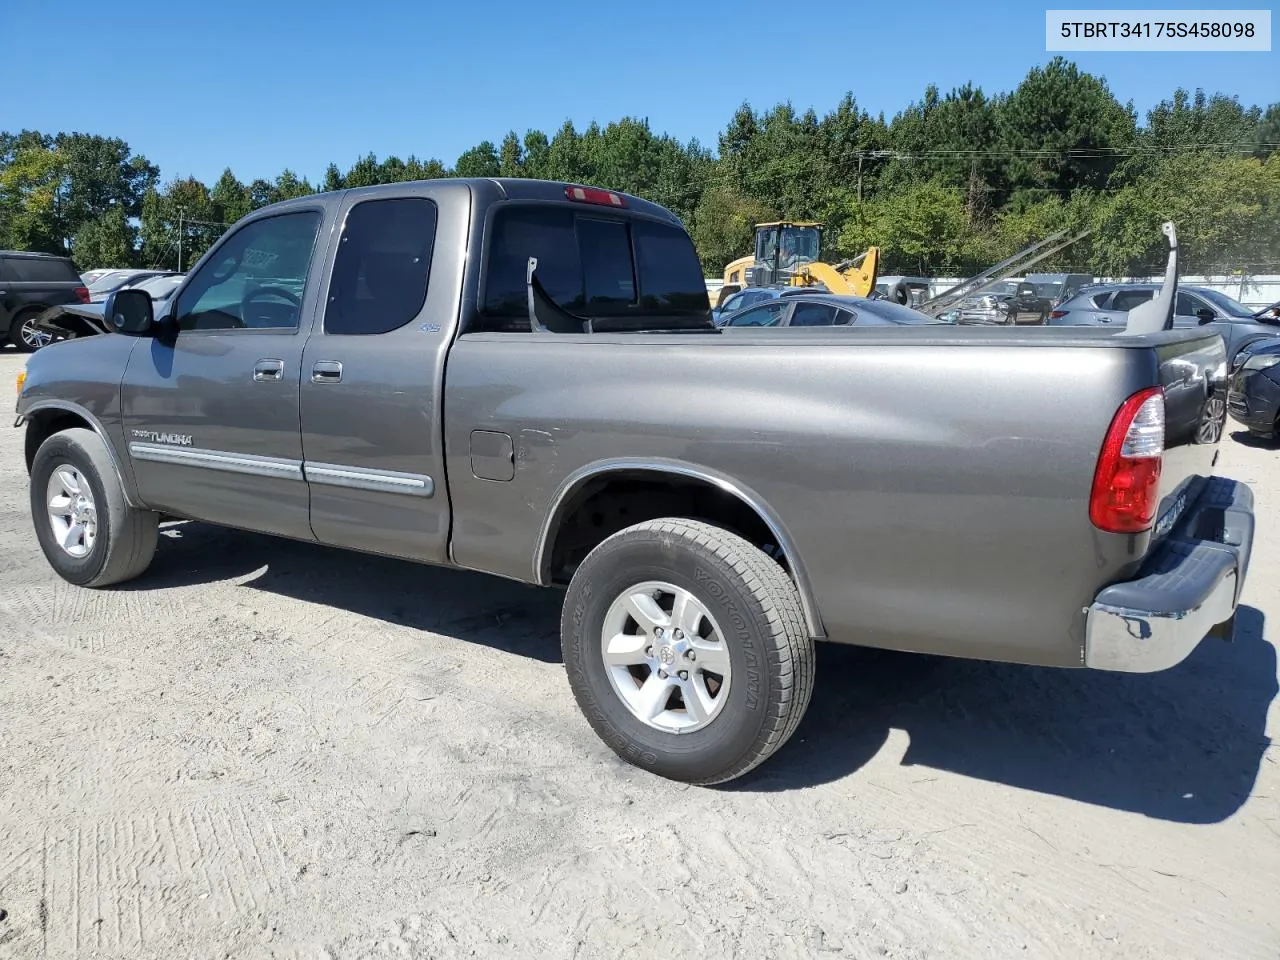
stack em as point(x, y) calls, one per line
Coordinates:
point(53, 186)
point(32, 199)
point(481, 161)
point(511, 156)
point(102, 174)
point(179, 219)
point(230, 198)
point(1266, 136)
point(108, 239)
point(952, 183)
point(922, 229)
point(1227, 210)
point(1063, 130)
point(722, 225)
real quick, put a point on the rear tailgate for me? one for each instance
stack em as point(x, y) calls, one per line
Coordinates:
point(1189, 580)
point(1193, 375)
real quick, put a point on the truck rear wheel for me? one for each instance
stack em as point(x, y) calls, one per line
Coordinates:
point(686, 650)
point(88, 532)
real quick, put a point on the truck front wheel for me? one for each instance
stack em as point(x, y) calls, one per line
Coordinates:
point(686, 650)
point(87, 530)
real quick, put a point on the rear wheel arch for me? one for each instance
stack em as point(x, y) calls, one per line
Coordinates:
point(655, 489)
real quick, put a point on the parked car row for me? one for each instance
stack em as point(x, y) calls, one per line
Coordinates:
point(1109, 305)
point(113, 280)
point(30, 283)
point(1251, 338)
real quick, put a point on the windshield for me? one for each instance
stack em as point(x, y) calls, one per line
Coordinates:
point(158, 287)
point(791, 245)
point(799, 244)
point(1001, 288)
point(109, 282)
point(1231, 308)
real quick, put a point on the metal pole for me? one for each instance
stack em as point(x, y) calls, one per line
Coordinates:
point(179, 239)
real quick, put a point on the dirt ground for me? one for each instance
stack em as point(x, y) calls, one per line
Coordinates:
point(269, 749)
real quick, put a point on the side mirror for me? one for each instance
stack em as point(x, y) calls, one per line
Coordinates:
point(1205, 315)
point(129, 312)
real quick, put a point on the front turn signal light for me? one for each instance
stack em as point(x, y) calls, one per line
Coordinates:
point(22, 379)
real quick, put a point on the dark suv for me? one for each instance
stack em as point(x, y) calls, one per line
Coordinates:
point(30, 283)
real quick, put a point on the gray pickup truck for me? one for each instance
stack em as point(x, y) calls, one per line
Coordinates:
point(523, 378)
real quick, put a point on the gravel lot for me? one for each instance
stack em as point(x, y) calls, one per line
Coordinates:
point(269, 749)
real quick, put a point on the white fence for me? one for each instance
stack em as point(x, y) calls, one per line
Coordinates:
point(1253, 291)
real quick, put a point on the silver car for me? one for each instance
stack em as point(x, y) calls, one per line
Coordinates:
point(1109, 304)
point(826, 310)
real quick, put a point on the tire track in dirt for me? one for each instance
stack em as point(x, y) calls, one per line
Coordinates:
point(54, 602)
point(114, 884)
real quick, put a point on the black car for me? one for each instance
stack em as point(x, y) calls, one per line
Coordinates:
point(30, 283)
point(1254, 397)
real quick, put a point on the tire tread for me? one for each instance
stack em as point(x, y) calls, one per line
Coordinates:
point(132, 534)
point(789, 646)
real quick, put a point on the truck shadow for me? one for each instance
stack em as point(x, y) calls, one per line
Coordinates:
point(1184, 745)
point(474, 607)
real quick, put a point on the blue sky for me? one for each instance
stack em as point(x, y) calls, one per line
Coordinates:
point(265, 85)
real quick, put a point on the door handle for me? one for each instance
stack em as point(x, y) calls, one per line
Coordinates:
point(326, 371)
point(268, 370)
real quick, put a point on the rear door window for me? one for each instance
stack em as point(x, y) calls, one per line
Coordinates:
point(589, 265)
point(380, 274)
point(813, 315)
point(39, 270)
point(1128, 299)
point(1186, 305)
point(767, 315)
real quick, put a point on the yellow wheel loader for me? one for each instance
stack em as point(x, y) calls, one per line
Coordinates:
point(788, 254)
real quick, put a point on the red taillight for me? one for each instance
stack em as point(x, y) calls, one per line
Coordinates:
point(82, 294)
point(605, 198)
point(1126, 482)
point(1055, 314)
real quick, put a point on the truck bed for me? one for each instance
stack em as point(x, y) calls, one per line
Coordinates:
point(933, 482)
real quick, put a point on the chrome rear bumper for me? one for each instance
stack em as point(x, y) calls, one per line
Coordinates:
point(1186, 589)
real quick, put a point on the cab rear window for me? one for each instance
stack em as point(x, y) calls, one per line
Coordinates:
point(591, 264)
